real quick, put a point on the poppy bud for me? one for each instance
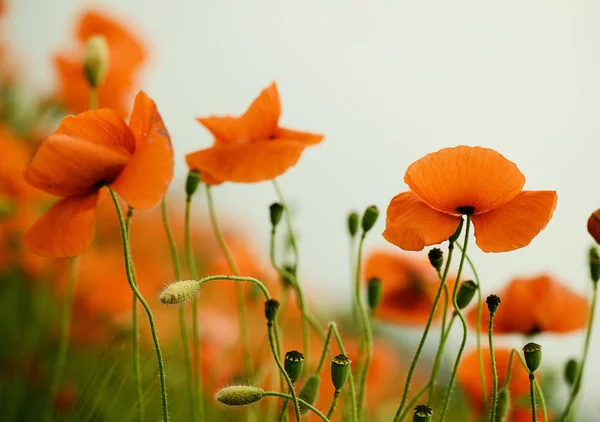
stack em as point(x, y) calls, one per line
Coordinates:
point(309, 392)
point(594, 259)
point(369, 218)
point(271, 308)
point(571, 369)
point(240, 395)
point(95, 60)
point(276, 211)
point(191, 183)
point(423, 413)
point(374, 292)
point(293, 364)
point(353, 224)
point(593, 225)
point(502, 405)
point(465, 294)
point(340, 370)
point(533, 356)
point(493, 302)
point(179, 292)
point(436, 258)
point(456, 234)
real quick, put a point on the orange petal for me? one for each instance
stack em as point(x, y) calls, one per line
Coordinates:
point(306, 138)
point(103, 127)
point(258, 123)
point(464, 176)
point(66, 229)
point(247, 162)
point(145, 179)
point(66, 166)
point(515, 224)
point(411, 224)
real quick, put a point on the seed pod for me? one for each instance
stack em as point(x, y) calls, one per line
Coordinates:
point(374, 292)
point(465, 293)
point(179, 292)
point(493, 302)
point(423, 413)
point(192, 182)
point(271, 308)
point(502, 405)
point(293, 364)
point(436, 258)
point(275, 213)
point(369, 218)
point(240, 395)
point(309, 392)
point(340, 370)
point(533, 356)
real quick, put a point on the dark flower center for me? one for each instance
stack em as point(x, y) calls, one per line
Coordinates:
point(535, 329)
point(467, 210)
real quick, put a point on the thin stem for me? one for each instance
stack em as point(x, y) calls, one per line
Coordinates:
point(509, 370)
point(462, 320)
point(445, 308)
point(282, 370)
point(93, 98)
point(196, 360)
point(494, 371)
point(325, 348)
point(182, 322)
point(415, 359)
point(438, 359)
point(239, 290)
point(538, 387)
point(135, 333)
point(532, 397)
point(586, 348)
point(130, 279)
point(478, 333)
point(338, 338)
point(336, 396)
point(305, 404)
point(63, 345)
point(412, 402)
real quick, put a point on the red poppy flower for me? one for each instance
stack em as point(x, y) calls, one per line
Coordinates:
point(533, 305)
point(86, 152)
point(480, 182)
point(126, 56)
point(253, 147)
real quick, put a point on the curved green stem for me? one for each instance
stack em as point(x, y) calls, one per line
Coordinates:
point(413, 401)
point(196, 360)
point(494, 372)
point(130, 279)
point(586, 348)
point(438, 359)
point(305, 404)
point(93, 98)
point(538, 387)
point(532, 397)
point(182, 322)
point(338, 338)
point(63, 345)
point(415, 359)
point(336, 396)
point(462, 320)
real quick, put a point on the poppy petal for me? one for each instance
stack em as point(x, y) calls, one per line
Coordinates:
point(66, 229)
point(306, 138)
point(102, 126)
point(412, 224)
point(248, 162)
point(464, 176)
point(145, 179)
point(515, 224)
point(66, 166)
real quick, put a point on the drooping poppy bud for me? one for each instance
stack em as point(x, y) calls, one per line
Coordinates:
point(594, 260)
point(465, 293)
point(271, 308)
point(179, 292)
point(493, 302)
point(369, 218)
point(192, 182)
point(593, 225)
point(533, 356)
point(503, 405)
point(571, 370)
point(275, 213)
point(340, 370)
point(456, 234)
point(293, 364)
point(436, 258)
point(423, 413)
point(240, 395)
point(353, 223)
point(374, 292)
point(95, 60)
point(309, 392)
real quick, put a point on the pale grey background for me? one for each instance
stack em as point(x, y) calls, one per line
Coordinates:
point(387, 82)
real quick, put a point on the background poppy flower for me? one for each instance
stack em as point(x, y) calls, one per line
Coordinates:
point(451, 182)
point(86, 152)
point(533, 305)
point(253, 147)
point(127, 54)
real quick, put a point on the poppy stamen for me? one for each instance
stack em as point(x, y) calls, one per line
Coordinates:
point(465, 210)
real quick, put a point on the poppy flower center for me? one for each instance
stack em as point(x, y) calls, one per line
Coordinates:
point(535, 329)
point(466, 209)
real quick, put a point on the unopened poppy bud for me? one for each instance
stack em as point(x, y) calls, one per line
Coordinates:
point(423, 413)
point(271, 308)
point(493, 302)
point(465, 293)
point(571, 369)
point(95, 60)
point(293, 364)
point(353, 223)
point(593, 225)
point(533, 356)
point(240, 395)
point(374, 292)
point(369, 218)
point(192, 182)
point(594, 259)
point(179, 292)
point(276, 211)
point(340, 370)
point(502, 405)
point(436, 258)
point(309, 392)
point(456, 234)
